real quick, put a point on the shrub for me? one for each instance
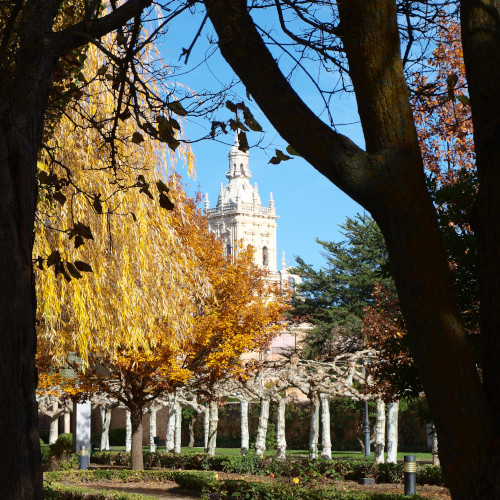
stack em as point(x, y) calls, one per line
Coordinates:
point(63, 446)
point(430, 474)
point(55, 491)
point(117, 436)
point(45, 452)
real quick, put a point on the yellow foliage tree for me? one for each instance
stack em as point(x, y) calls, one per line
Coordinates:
point(144, 275)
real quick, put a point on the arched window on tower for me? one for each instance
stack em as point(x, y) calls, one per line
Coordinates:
point(265, 257)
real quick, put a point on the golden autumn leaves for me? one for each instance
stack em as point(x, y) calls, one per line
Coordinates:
point(156, 298)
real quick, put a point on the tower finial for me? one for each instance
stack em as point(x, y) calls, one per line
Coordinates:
point(283, 261)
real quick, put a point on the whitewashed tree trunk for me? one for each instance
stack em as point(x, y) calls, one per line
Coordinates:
point(178, 428)
point(326, 439)
point(213, 408)
point(106, 422)
point(54, 429)
point(392, 432)
point(435, 447)
point(260, 441)
point(280, 429)
point(314, 426)
point(380, 432)
point(152, 428)
point(67, 423)
point(206, 428)
point(245, 438)
point(128, 431)
point(170, 438)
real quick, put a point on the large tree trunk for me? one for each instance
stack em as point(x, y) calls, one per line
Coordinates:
point(388, 180)
point(326, 438)
point(392, 432)
point(137, 462)
point(245, 437)
point(213, 421)
point(106, 423)
point(280, 429)
point(260, 440)
point(314, 425)
point(380, 432)
point(23, 100)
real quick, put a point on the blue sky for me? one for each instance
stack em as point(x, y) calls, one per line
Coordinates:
point(308, 205)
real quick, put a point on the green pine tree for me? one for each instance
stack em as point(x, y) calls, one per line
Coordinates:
point(333, 298)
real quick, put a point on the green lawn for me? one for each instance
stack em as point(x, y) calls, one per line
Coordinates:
point(270, 453)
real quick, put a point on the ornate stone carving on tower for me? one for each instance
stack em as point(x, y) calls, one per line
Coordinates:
point(240, 217)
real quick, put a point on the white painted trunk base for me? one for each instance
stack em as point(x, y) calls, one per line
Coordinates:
point(392, 432)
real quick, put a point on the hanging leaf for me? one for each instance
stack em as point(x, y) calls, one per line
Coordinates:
point(97, 205)
point(282, 156)
point(53, 258)
point(73, 270)
point(79, 241)
point(231, 106)
point(290, 150)
point(137, 138)
point(464, 100)
point(59, 197)
point(274, 160)
point(451, 81)
point(145, 189)
point(173, 145)
point(162, 187)
point(242, 139)
point(177, 108)
point(83, 266)
point(165, 202)
point(253, 124)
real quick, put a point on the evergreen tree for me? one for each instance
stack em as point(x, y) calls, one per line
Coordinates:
point(333, 298)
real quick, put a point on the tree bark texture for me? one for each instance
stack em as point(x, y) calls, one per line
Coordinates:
point(67, 423)
point(170, 438)
point(314, 425)
point(191, 432)
point(25, 82)
point(136, 438)
point(54, 426)
point(435, 447)
point(280, 429)
point(326, 438)
point(212, 427)
point(206, 428)
point(152, 428)
point(260, 440)
point(388, 180)
point(106, 423)
point(128, 431)
point(178, 428)
point(392, 432)
point(245, 437)
point(380, 432)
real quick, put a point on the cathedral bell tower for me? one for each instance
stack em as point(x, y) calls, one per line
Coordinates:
point(240, 217)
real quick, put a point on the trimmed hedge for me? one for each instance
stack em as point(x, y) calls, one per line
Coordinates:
point(204, 482)
point(56, 491)
point(291, 467)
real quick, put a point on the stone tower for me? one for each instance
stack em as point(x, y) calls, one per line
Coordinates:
point(239, 215)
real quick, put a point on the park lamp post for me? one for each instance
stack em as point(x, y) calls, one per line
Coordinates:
point(366, 426)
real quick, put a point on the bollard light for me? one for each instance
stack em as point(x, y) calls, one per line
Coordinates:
point(84, 455)
point(410, 469)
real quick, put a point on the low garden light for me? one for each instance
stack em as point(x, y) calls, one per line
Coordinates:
point(83, 457)
point(410, 470)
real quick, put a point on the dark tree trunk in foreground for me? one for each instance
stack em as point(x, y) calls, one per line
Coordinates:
point(29, 52)
point(388, 180)
point(137, 433)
